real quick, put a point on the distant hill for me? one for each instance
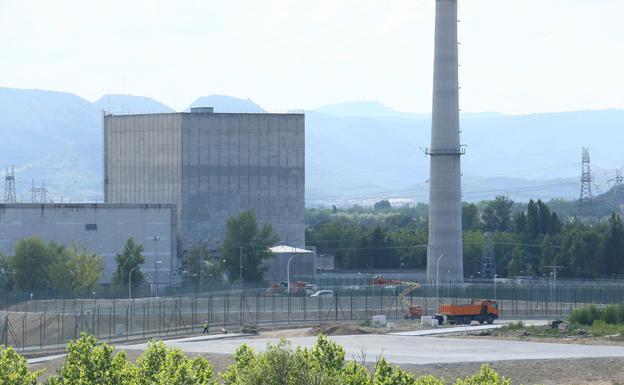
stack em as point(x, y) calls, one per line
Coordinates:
point(223, 103)
point(53, 137)
point(125, 104)
point(375, 109)
point(364, 109)
point(56, 137)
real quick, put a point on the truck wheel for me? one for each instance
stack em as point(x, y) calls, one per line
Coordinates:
point(467, 320)
point(481, 321)
point(490, 320)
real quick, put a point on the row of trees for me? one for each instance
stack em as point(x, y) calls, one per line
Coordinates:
point(37, 265)
point(528, 239)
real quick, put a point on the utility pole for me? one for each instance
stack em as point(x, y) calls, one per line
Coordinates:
point(555, 268)
point(155, 238)
point(586, 200)
point(9, 186)
point(240, 269)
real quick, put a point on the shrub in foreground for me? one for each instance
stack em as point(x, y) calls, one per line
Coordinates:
point(14, 369)
point(88, 363)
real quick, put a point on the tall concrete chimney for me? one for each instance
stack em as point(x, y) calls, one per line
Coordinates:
point(445, 248)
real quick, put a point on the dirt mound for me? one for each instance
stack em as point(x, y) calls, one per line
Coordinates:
point(338, 330)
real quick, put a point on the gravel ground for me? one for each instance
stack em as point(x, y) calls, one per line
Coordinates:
point(547, 372)
point(606, 371)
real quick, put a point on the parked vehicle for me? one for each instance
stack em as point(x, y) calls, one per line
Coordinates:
point(482, 310)
point(323, 293)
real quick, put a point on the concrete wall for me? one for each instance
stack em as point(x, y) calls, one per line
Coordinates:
point(142, 158)
point(236, 162)
point(213, 166)
point(66, 223)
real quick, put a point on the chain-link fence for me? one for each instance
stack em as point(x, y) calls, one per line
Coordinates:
point(33, 324)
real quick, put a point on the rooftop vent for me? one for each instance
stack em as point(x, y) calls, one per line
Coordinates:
point(202, 110)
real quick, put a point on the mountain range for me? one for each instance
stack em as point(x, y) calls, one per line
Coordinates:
point(356, 152)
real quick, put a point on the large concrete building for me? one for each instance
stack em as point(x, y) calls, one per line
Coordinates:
point(211, 166)
point(100, 228)
point(445, 249)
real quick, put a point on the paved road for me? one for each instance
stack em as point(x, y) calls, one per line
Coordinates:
point(416, 350)
point(461, 329)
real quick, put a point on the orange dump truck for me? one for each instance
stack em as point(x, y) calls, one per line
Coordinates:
point(482, 310)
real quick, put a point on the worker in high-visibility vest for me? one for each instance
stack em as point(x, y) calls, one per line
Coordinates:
point(205, 327)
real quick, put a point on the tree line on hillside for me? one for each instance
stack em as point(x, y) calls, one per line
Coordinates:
point(528, 239)
point(40, 266)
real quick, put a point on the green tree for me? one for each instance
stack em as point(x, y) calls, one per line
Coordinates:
point(377, 250)
point(554, 225)
point(130, 258)
point(31, 263)
point(196, 262)
point(582, 251)
point(473, 252)
point(614, 246)
point(88, 363)
point(518, 264)
point(497, 214)
point(471, 219)
point(244, 238)
point(76, 270)
point(14, 369)
point(411, 248)
point(383, 204)
point(6, 272)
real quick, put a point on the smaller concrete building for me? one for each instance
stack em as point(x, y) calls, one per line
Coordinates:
point(100, 228)
point(302, 265)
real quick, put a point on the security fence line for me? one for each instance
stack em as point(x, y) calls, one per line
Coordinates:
point(40, 323)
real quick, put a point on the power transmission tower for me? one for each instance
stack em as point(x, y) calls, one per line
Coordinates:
point(9, 186)
point(38, 194)
point(488, 262)
point(618, 179)
point(586, 200)
point(617, 188)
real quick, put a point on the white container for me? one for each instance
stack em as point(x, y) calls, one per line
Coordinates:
point(434, 322)
point(379, 321)
point(425, 320)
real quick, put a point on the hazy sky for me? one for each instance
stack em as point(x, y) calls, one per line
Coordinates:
point(517, 56)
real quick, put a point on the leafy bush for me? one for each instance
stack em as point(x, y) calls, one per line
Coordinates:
point(14, 369)
point(486, 376)
point(585, 315)
point(88, 363)
point(611, 315)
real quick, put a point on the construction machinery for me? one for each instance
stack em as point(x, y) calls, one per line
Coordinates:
point(481, 310)
point(413, 311)
point(297, 288)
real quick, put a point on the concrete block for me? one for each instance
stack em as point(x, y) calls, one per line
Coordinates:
point(379, 321)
